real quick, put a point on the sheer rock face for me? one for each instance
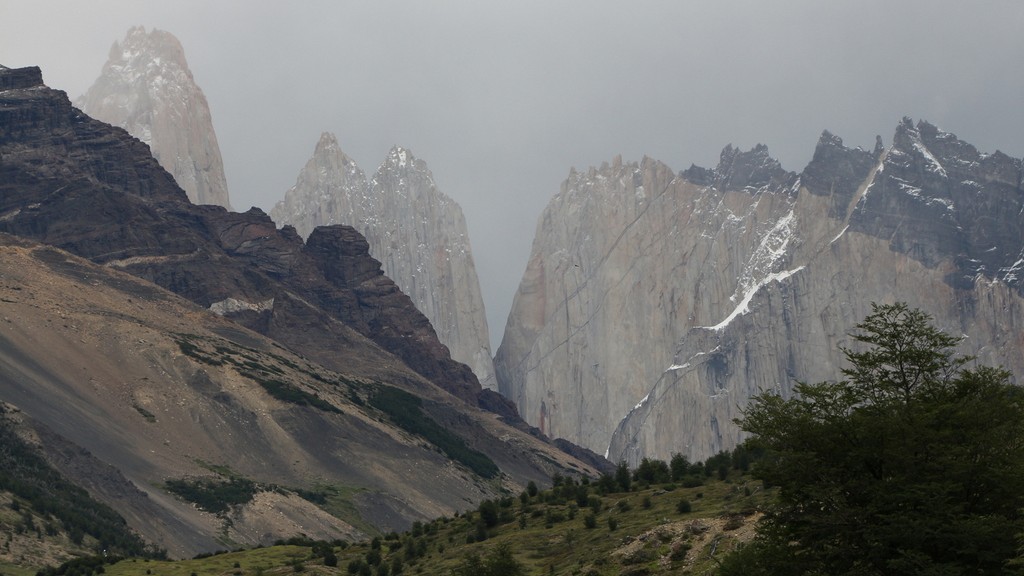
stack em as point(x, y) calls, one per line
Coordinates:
point(418, 233)
point(147, 88)
point(655, 304)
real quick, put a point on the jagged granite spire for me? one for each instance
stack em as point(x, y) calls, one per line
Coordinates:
point(330, 189)
point(146, 88)
point(417, 232)
point(654, 305)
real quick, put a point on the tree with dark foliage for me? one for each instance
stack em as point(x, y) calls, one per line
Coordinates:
point(499, 562)
point(912, 464)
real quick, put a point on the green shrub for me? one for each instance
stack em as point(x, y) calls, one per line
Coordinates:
point(406, 411)
point(489, 513)
point(734, 522)
point(287, 393)
point(330, 559)
point(679, 551)
point(692, 481)
point(216, 496)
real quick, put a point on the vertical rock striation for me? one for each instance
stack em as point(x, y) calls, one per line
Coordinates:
point(418, 233)
point(655, 304)
point(147, 88)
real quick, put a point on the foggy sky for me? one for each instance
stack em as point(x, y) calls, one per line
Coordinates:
point(502, 98)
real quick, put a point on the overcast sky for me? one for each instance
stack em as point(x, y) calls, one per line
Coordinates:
point(502, 98)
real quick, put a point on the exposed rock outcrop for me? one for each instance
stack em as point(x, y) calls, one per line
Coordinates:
point(416, 231)
point(654, 305)
point(146, 88)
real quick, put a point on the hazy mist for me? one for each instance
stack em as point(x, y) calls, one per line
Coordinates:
point(501, 99)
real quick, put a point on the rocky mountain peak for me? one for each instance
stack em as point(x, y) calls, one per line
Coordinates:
point(147, 88)
point(908, 140)
point(328, 144)
point(643, 323)
point(932, 149)
point(699, 175)
point(329, 175)
point(829, 139)
point(20, 78)
point(754, 169)
point(142, 51)
point(334, 167)
point(837, 171)
point(937, 199)
point(402, 177)
point(738, 170)
point(417, 233)
point(399, 158)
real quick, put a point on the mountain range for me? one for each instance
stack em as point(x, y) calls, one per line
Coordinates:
point(150, 342)
point(332, 358)
point(656, 303)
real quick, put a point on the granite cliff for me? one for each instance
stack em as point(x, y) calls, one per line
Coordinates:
point(656, 303)
point(194, 342)
point(417, 232)
point(146, 88)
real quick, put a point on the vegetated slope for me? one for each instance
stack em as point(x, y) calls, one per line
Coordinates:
point(593, 527)
point(151, 393)
point(45, 518)
point(655, 302)
point(261, 373)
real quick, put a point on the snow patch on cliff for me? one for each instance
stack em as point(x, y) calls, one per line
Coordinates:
point(933, 162)
point(840, 235)
point(1010, 274)
point(744, 305)
point(231, 305)
point(765, 257)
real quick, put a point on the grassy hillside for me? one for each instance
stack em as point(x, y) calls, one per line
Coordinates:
point(46, 519)
point(572, 528)
point(144, 398)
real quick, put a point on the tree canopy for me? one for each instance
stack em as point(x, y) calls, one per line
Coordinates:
point(913, 463)
point(499, 562)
